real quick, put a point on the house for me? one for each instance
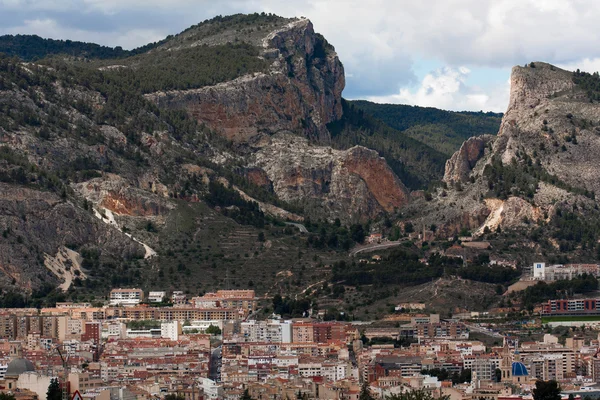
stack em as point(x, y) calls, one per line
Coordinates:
point(375, 238)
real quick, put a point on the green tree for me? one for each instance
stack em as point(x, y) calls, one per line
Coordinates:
point(420, 394)
point(6, 396)
point(213, 330)
point(54, 392)
point(546, 390)
point(365, 393)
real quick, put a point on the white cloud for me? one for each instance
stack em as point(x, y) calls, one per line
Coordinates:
point(50, 28)
point(448, 88)
point(590, 65)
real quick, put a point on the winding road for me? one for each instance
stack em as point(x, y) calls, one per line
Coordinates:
point(374, 246)
point(301, 227)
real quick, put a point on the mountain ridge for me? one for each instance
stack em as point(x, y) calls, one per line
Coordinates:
point(172, 181)
point(169, 187)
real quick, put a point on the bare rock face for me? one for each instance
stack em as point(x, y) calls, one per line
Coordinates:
point(510, 213)
point(115, 194)
point(301, 92)
point(546, 110)
point(549, 123)
point(353, 185)
point(38, 222)
point(460, 165)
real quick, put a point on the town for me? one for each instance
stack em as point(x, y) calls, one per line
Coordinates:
point(156, 344)
point(310, 200)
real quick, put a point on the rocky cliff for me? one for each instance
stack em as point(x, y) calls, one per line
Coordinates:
point(543, 158)
point(547, 110)
point(354, 185)
point(460, 165)
point(301, 92)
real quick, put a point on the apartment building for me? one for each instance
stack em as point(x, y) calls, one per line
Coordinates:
point(157, 296)
point(271, 331)
point(243, 300)
point(126, 297)
point(572, 306)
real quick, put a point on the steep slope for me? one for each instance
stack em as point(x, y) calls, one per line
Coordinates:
point(537, 177)
point(300, 92)
point(133, 190)
point(443, 130)
point(415, 163)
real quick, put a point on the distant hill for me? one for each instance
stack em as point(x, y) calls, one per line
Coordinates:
point(33, 47)
point(220, 30)
point(443, 130)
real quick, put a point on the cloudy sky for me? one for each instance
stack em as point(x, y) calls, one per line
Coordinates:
point(451, 54)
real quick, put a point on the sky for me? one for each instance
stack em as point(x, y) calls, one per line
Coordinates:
point(449, 54)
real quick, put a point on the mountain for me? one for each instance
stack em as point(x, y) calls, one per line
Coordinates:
point(537, 178)
point(445, 131)
point(180, 166)
point(226, 156)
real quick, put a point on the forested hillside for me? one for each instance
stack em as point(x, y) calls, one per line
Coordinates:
point(443, 130)
point(415, 163)
point(33, 47)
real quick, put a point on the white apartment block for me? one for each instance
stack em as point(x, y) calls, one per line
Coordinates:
point(271, 331)
point(156, 297)
point(201, 326)
point(543, 272)
point(114, 330)
point(170, 330)
point(126, 297)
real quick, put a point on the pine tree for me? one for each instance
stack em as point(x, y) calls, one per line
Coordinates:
point(54, 392)
point(365, 393)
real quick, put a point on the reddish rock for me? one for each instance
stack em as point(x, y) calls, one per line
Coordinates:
point(383, 184)
point(300, 93)
point(258, 177)
point(459, 166)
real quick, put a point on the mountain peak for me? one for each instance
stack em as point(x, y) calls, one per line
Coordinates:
point(536, 81)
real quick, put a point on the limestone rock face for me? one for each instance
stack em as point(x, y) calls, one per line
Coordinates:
point(545, 112)
point(117, 195)
point(460, 165)
point(550, 124)
point(301, 92)
point(353, 185)
point(40, 222)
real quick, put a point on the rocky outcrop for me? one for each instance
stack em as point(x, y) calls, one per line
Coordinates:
point(460, 165)
point(549, 125)
point(509, 213)
point(35, 222)
point(546, 110)
point(301, 92)
point(115, 194)
point(353, 185)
